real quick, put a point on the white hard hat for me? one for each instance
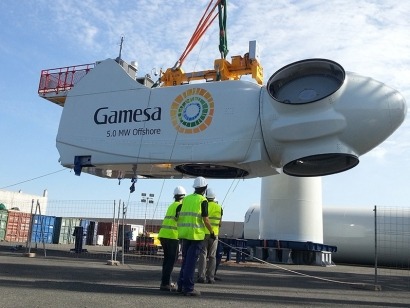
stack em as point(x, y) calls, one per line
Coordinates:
point(199, 182)
point(210, 193)
point(179, 190)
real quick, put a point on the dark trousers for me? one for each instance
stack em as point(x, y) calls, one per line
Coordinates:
point(170, 248)
point(190, 252)
point(219, 254)
point(127, 245)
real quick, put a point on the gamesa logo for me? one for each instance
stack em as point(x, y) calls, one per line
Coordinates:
point(192, 111)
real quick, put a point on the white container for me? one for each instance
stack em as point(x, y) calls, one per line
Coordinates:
point(100, 240)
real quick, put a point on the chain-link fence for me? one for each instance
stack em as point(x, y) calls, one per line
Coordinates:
point(98, 228)
point(392, 244)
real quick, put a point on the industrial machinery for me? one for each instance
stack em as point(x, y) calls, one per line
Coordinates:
point(312, 118)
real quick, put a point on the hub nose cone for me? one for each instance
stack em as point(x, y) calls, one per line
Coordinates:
point(318, 119)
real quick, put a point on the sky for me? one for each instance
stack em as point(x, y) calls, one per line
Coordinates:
point(370, 38)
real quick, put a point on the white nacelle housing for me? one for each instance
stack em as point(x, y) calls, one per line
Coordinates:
point(311, 119)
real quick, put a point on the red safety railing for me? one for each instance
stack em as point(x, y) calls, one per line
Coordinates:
point(62, 79)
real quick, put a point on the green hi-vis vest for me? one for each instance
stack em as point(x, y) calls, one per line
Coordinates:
point(190, 223)
point(215, 216)
point(169, 224)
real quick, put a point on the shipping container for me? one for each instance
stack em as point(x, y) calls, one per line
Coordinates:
point(146, 245)
point(135, 231)
point(91, 238)
point(108, 230)
point(64, 229)
point(3, 223)
point(18, 226)
point(152, 228)
point(84, 223)
point(43, 229)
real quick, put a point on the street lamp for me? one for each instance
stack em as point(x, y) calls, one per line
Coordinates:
point(146, 199)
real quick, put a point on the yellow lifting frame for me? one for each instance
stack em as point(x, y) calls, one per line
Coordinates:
point(223, 70)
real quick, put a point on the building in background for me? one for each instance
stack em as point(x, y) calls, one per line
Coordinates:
point(23, 202)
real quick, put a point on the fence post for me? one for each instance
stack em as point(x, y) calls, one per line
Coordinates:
point(375, 245)
point(30, 229)
point(112, 234)
point(124, 209)
point(117, 230)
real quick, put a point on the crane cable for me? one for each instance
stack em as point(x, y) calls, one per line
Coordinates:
point(223, 41)
point(204, 23)
point(32, 179)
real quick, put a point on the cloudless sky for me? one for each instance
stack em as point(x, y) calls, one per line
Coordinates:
point(370, 38)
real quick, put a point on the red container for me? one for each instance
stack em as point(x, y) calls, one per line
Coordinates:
point(18, 226)
point(108, 229)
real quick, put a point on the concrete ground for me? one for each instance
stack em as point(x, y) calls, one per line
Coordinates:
point(61, 279)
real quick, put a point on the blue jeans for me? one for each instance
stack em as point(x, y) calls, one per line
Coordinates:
point(190, 252)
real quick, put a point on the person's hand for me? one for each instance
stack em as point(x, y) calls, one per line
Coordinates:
point(212, 235)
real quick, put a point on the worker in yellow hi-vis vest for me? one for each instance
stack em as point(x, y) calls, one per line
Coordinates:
point(192, 222)
point(168, 236)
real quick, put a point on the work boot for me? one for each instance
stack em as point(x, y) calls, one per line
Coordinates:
point(169, 288)
point(192, 293)
point(201, 280)
point(164, 288)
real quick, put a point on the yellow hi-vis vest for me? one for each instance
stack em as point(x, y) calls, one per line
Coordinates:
point(215, 216)
point(190, 223)
point(169, 224)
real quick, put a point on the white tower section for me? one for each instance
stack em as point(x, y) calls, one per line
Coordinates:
point(251, 223)
point(291, 209)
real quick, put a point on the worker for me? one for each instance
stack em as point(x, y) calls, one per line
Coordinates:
point(192, 222)
point(168, 236)
point(127, 240)
point(206, 270)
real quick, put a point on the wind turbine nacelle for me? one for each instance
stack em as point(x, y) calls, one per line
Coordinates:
point(311, 119)
point(321, 118)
